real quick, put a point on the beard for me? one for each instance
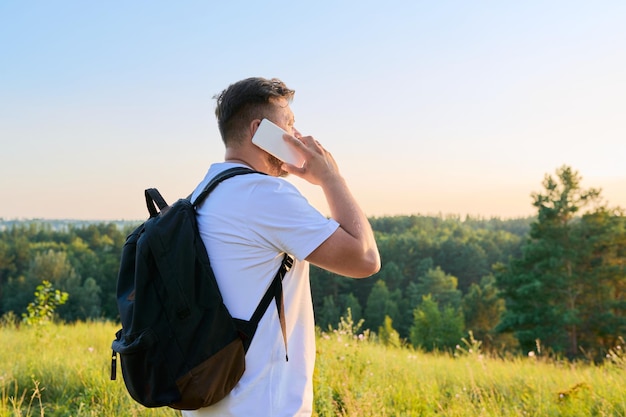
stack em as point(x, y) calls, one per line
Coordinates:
point(276, 166)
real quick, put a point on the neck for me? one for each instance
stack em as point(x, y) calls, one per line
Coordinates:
point(238, 161)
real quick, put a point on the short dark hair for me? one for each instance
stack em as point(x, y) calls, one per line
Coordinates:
point(245, 101)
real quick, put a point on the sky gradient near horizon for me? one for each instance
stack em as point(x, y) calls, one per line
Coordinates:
point(449, 107)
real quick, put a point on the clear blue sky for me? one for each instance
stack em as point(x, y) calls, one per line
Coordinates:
point(430, 107)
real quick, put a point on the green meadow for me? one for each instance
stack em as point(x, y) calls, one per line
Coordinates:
point(63, 370)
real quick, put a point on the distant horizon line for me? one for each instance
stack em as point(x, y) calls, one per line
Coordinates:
point(121, 220)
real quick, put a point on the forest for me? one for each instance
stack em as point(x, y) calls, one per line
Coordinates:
point(555, 281)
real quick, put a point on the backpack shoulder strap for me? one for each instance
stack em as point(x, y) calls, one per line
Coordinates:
point(275, 291)
point(224, 175)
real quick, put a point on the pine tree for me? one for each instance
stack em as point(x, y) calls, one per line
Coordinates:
point(557, 291)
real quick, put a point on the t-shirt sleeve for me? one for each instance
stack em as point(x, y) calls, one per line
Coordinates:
point(284, 219)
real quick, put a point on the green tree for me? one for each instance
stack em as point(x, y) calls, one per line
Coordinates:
point(411, 298)
point(434, 328)
point(463, 257)
point(442, 287)
point(89, 306)
point(328, 315)
point(482, 309)
point(47, 299)
point(603, 302)
point(91, 253)
point(7, 265)
point(380, 303)
point(387, 335)
point(552, 290)
point(54, 266)
point(350, 302)
point(392, 275)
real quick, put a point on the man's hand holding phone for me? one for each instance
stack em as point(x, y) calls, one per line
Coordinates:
point(269, 137)
point(303, 157)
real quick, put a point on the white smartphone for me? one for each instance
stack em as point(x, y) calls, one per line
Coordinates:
point(269, 137)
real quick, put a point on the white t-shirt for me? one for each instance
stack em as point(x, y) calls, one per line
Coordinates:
point(247, 223)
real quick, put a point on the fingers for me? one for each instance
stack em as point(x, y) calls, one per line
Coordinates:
point(305, 144)
point(311, 143)
point(319, 163)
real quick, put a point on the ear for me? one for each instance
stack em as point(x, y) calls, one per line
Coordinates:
point(254, 125)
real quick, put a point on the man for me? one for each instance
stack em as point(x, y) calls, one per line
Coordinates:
point(248, 223)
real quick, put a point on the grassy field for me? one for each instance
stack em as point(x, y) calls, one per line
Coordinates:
point(63, 370)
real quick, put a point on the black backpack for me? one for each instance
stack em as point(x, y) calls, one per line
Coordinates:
point(179, 345)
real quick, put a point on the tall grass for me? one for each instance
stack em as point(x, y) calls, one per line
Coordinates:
point(63, 370)
point(357, 377)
